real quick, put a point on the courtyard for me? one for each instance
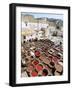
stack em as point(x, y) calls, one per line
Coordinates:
point(41, 58)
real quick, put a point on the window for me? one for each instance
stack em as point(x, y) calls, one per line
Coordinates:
point(26, 23)
point(24, 37)
point(58, 27)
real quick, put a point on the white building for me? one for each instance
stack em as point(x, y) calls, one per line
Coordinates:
point(32, 28)
point(39, 28)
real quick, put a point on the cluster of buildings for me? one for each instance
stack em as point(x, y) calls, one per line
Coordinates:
point(41, 28)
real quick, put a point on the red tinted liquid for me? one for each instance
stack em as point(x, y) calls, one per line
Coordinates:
point(35, 62)
point(39, 67)
point(37, 53)
point(34, 73)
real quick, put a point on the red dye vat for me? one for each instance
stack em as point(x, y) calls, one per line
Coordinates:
point(39, 67)
point(37, 53)
point(45, 72)
point(34, 73)
point(35, 62)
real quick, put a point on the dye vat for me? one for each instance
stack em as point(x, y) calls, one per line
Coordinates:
point(39, 67)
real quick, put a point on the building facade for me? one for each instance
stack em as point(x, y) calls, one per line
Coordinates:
point(39, 28)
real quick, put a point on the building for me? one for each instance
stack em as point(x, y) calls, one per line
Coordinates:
point(33, 27)
point(40, 28)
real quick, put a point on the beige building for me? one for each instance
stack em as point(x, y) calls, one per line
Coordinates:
point(39, 28)
point(33, 27)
